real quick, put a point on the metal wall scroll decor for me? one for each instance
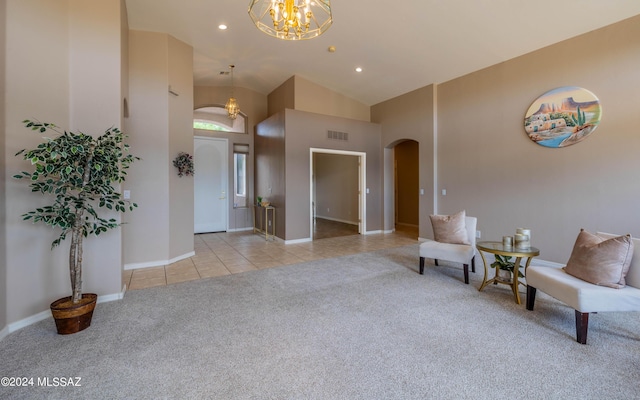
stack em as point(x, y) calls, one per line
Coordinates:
point(562, 117)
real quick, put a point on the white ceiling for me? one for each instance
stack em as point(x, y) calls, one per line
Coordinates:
point(401, 45)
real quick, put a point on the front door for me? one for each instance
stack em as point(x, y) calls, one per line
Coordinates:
point(210, 184)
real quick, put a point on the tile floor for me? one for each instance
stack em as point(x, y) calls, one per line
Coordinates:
point(218, 254)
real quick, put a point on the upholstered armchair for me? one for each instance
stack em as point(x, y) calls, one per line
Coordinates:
point(455, 241)
point(602, 274)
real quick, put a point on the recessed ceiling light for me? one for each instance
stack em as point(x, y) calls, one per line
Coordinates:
point(222, 27)
point(358, 69)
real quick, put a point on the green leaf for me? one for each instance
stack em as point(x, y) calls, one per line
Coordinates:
point(58, 169)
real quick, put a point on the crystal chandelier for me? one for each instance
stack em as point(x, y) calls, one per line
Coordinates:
point(232, 106)
point(291, 19)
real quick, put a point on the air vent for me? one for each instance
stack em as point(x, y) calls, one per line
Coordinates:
point(224, 72)
point(335, 135)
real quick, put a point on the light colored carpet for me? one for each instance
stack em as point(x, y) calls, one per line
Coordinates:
point(364, 326)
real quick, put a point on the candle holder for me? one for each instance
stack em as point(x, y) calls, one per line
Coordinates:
point(507, 241)
point(524, 231)
point(522, 241)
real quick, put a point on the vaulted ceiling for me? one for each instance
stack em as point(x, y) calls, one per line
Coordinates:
point(400, 45)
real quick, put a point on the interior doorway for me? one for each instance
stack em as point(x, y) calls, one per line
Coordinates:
point(210, 185)
point(337, 193)
point(406, 186)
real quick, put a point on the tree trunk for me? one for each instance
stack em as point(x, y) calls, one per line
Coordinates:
point(75, 263)
point(77, 234)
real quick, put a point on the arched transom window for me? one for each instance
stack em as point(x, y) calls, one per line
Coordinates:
point(216, 119)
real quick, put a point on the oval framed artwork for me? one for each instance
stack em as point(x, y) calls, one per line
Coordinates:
point(562, 117)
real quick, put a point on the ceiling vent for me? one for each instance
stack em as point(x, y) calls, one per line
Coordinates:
point(335, 135)
point(224, 72)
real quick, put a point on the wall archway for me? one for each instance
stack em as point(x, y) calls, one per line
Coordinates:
point(401, 177)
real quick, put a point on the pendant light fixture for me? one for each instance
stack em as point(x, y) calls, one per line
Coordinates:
point(232, 106)
point(291, 19)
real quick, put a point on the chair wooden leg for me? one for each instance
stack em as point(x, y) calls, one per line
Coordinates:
point(436, 261)
point(531, 297)
point(582, 323)
point(466, 273)
point(421, 265)
point(473, 264)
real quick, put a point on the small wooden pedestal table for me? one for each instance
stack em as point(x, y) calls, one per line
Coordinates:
point(509, 251)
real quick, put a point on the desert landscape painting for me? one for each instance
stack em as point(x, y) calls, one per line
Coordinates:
point(562, 117)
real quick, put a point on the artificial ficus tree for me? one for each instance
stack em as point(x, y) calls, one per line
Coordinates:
point(79, 171)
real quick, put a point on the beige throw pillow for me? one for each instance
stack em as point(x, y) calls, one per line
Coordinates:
point(450, 228)
point(599, 261)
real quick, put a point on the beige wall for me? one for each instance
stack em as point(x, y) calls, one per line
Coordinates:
point(180, 113)
point(283, 163)
point(160, 125)
point(314, 98)
point(124, 101)
point(336, 178)
point(148, 129)
point(300, 94)
point(253, 106)
point(124, 61)
point(315, 110)
point(410, 116)
point(97, 25)
point(50, 59)
point(304, 130)
point(269, 171)
point(489, 166)
point(3, 221)
point(282, 97)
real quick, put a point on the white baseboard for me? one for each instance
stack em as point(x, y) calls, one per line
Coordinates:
point(29, 320)
point(158, 263)
point(47, 314)
point(240, 229)
point(305, 240)
point(110, 297)
point(337, 220)
point(295, 241)
point(407, 225)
